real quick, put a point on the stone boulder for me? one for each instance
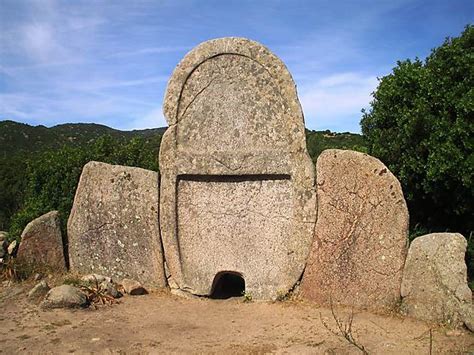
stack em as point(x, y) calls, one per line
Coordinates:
point(360, 240)
point(434, 286)
point(3, 244)
point(133, 288)
point(41, 243)
point(64, 296)
point(110, 289)
point(113, 228)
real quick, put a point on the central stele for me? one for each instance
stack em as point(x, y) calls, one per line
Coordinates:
point(237, 184)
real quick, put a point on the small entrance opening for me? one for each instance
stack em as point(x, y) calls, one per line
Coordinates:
point(227, 284)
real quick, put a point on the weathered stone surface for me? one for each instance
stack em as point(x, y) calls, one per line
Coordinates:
point(41, 243)
point(133, 287)
point(113, 227)
point(38, 292)
point(95, 278)
point(434, 283)
point(467, 314)
point(237, 184)
point(64, 296)
point(360, 241)
point(3, 244)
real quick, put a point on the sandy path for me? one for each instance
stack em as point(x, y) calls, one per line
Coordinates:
point(163, 323)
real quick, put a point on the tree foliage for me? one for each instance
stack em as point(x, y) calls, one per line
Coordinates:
point(421, 124)
point(317, 141)
point(51, 177)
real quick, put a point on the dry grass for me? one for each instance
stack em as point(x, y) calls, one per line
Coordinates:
point(344, 329)
point(97, 294)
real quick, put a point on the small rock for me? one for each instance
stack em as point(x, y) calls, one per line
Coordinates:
point(12, 247)
point(133, 288)
point(64, 296)
point(37, 277)
point(93, 278)
point(110, 289)
point(453, 333)
point(38, 292)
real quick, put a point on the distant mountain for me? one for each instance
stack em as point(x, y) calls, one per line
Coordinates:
point(22, 138)
point(19, 137)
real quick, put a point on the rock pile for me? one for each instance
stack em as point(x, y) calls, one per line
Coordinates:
point(91, 289)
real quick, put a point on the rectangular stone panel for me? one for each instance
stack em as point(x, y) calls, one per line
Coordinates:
point(233, 223)
point(113, 228)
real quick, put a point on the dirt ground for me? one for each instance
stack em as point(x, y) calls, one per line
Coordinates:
point(163, 323)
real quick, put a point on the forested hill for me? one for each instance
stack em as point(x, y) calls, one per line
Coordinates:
point(40, 166)
point(19, 137)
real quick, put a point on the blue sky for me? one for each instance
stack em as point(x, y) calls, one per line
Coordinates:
point(108, 62)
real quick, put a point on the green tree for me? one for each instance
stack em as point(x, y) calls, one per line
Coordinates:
point(421, 124)
point(51, 177)
point(51, 183)
point(12, 187)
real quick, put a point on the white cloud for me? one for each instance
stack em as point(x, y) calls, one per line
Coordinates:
point(81, 23)
point(102, 83)
point(84, 107)
point(40, 42)
point(341, 79)
point(152, 119)
point(336, 100)
point(150, 50)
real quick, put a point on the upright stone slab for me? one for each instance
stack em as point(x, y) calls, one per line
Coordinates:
point(113, 227)
point(237, 184)
point(42, 244)
point(361, 233)
point(3, 244)
point(434, 283)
